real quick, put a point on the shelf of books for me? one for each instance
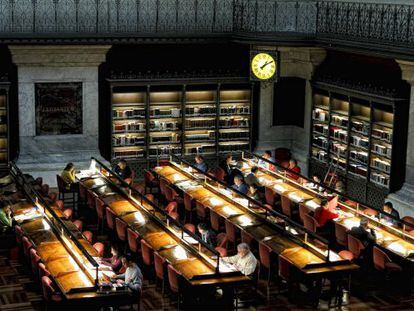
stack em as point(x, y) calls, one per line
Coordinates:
point(4, 136)
point(355, 134)
point(152, 121)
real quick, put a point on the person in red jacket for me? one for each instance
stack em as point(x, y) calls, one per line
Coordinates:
point(293, 166)
point(325, 215)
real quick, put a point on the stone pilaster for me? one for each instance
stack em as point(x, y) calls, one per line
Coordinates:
point(404, 198)
point(45, 155)
point(295, 62)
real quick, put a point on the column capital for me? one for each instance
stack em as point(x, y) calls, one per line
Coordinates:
point(58, 55)
point(407, 70)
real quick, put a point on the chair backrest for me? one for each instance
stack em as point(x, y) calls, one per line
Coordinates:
point(133, 175)
point(60, 204)
point(170, 193)
point(173, 280)
point(284, 268)
point(148, 177)
point(159, 265)
point(188, 202)
point(45, 189)
point(110, 218)
point(47, 288)
point(410, 221)
point(88, 236)
point(286, 206)
point(150, 197)
point(219, 173)
point(214, 220)
point(39, 181)
point(133, 240)
point(268, 206)
point(53, 196)
point(43, 270)
point(68, 213)
point(341, 235)
point(303, 210)
point(140, 188)
point(78, 224)
point(100, 248)
point(174, 215)
point(231, 231)
point(60, 183)
point(222, 251)
point(201, 210)
point(355, 245)
point(246, 238)
point(27, 245)
point(222, 240)
point(380, 258)
point(171, 207)
point(147, 253)
point(190, 227)
point(90, 199)
point(264, 254)
point(34, 261)
point(19, 234)
point(270, 196)
point(121, 228)
point(163, 184)
point(310, 223)
point(100, 208)
point(82, 192)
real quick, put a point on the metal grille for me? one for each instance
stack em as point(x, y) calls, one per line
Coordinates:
point(376, 196)
point(356, 188)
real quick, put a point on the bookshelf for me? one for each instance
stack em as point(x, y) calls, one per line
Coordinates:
point(150, 121)
point(4, 125)
point(356, 133)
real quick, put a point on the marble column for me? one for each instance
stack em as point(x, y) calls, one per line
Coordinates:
point(46, 155)
point(404, 198)
point(294, 62)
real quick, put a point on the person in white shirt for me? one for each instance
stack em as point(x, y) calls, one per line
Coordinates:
point(132, 277)
point(244, 261)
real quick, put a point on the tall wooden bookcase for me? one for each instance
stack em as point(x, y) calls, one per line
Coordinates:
point(4, 125)
point(364, 136)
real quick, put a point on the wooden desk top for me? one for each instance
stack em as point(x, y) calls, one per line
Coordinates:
point(192, 267)
point(175, 254)
point(160, 240)
point(92, 183)
point(71, 280)
point(122, 207)
point(170, 174)
point(50, 250)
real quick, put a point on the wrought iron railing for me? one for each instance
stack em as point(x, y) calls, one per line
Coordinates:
point(350, 20)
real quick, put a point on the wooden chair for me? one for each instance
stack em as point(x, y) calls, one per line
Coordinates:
point(410, 222)
point(160, 266)
point(100, 212)
point(341, 234)
point(215, 221)
point(133, 241)
point(100, 248)
point(78, 224)
point(382, 262)
point(201, 211)
point(88, 236)
point(286, 206)
point(231, 233)
point(63, 191)
point(121, 229)
point(189, 204)
point(355, 246)
point(174, 281)
point(271, 197)
point(150, 181)
point(110, 218)
point(266, 260)
point(50, 294)
point(43, 270)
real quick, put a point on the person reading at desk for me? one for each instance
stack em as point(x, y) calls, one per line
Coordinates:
point(294, 168)
point(315, 183)
point(68, 176)
point(244, 261)
point(239, 184)
point(123, 170)
point(366, 236)
point(251, 178)
point(324, 215)
point(255, 193)
point(207, 235)
point(132, 278)
point(115, 262)
point(6, 221)
point(200, 163)
point(268, 156)
point(390, 210)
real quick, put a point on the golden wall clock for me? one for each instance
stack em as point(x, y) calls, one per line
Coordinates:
point(263, 66)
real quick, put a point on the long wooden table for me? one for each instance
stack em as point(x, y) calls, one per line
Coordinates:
point(168, 245)
point(261, 231)
point(389, 237)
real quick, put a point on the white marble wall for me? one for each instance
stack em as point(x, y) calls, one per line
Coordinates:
point(35, 148)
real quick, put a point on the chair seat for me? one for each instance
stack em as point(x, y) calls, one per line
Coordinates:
point(346, 255)
point(392, 267)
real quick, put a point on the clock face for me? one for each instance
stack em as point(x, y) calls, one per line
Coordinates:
point(263, 66)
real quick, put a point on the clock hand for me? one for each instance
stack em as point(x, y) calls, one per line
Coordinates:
point(265, 64)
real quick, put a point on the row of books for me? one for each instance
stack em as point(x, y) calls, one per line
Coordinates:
point(360, 156)
point(235, 110)
point(359, 141)
point(210, 135)
point(202, 149)
point(200, 123)
point(382, 134)
point(129, 127)
point(128, 141)
point(129, 153)
point(340, 163)
point(233, 147)
point(162, 126)
point(165, 112)
point(382, 150)
point(320, 155)
point(129, 113)
point(339, 134)
point(170, 138)
point(162, 151)
point(339, 120)
point(321, 142)
point(321, 128)
point(358, 169)
point(200, 110)
point(360, 127)
point(338, 149)
point(320, 115)
point(381, 164)
point(380, 179)
point(234, 122)
point(234, 135)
